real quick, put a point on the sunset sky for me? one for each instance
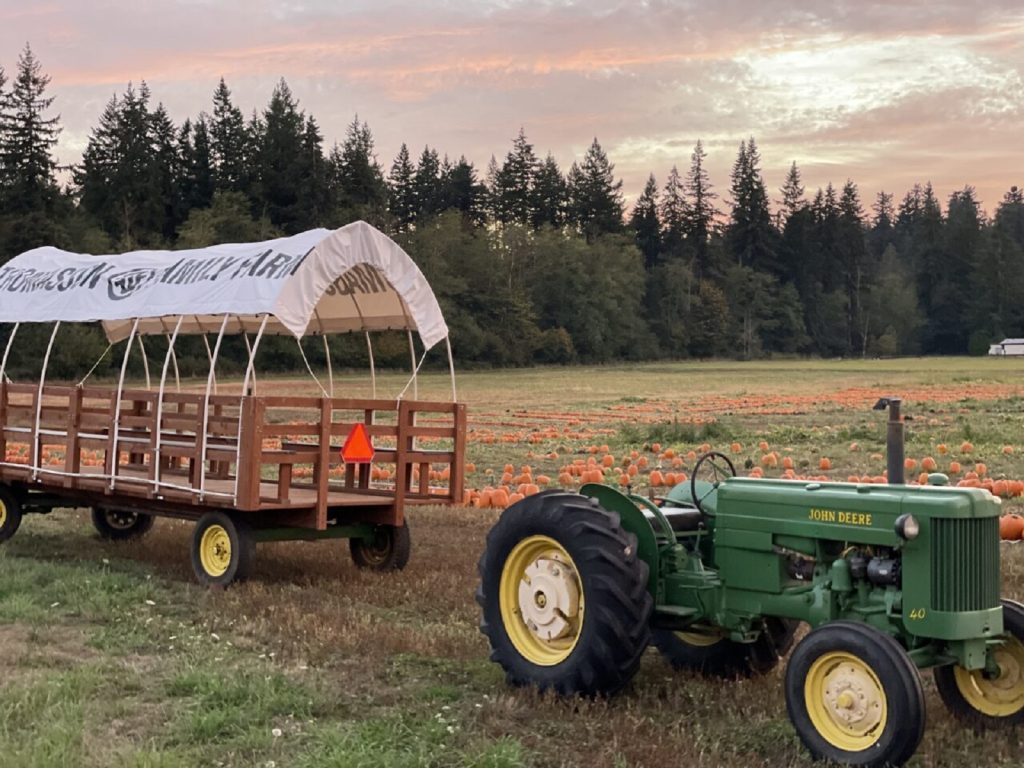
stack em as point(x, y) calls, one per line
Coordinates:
point(885, 93)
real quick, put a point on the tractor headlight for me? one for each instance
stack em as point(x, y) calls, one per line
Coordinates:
point(907, 527)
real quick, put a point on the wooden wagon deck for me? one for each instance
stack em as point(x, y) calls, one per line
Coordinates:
point(274, 458)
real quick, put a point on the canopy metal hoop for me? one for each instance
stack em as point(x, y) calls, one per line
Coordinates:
point(415, 369)
point(309, 368)
point(250, 370)
point(160, 400)
point(145, 361)
point(210, 379)
point(209, 356)
point(413, 378)
point(451, 367)
point(37, 443)
point(373, 368)
point(115, 457)
point(7, 352)
point(330, 370)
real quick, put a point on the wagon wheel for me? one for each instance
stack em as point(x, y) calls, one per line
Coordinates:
point(10, 515)
point(223, 550)
point(120, 524)
point(716, 467)
point(387, 550)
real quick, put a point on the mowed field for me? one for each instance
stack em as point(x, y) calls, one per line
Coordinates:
point(110, 655)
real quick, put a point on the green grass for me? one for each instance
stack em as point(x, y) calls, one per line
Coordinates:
point(111, 656)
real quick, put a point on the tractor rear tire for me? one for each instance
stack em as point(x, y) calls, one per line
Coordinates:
point(989, 704)
point(10, 514)
point(223, 550)
point(564, 596)
point(854, 696)
point(717, 656)
point(388, 550)
point(118, 525)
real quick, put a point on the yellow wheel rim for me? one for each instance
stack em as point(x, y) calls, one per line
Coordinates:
point(1002, 696)
point(700, 639)
point(215, 550)
point(845, 701)
point(541, 599)
point(3, 514)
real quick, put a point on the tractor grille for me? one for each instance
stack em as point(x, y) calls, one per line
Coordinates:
point(965, 564)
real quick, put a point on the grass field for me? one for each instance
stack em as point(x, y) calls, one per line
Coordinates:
point(111, 656)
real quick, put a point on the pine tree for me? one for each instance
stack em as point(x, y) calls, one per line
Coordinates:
point(675, 214)
point(427, 185)
point(360, 176)
point(27, 138)
point(283, 162)
point(750, 235)
point(228, 142)
point(595, 197)
point(548, 195)
point(462, 191)
point(402, 191)
point(700, 212)
point(645, 224)
point(514, 183)
point(5, 129)
point(792, 194)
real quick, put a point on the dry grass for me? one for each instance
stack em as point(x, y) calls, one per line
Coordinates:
point(359, 669)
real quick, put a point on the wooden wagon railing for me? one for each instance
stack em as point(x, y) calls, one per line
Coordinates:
point(250, 453)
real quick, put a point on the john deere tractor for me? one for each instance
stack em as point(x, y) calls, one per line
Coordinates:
point(892, 579)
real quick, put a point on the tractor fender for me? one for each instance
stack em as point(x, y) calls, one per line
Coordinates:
point(634, 521)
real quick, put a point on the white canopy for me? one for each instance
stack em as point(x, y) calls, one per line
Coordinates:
point(352, 279)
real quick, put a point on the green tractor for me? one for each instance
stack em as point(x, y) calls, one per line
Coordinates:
point(892, 579)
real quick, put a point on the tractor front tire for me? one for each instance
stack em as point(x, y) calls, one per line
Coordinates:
point(223, 550)
point(388, 550)
point(564, 596)
point(120, 525)
point(714, 655)
point(986, 703)
point(854, 696)
point(10, 514)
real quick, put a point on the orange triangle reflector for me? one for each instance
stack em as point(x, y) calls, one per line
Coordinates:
point(357, 449)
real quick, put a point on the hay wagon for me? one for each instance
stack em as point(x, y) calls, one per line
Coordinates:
point(245, 466)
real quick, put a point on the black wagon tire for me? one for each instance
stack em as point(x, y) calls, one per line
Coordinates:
point(987, 703)
point(223, 550)
point(10, 514)
point(388, 550)
point(714, 655)
point(564, 596)
point(854, 696)
point(121, 525)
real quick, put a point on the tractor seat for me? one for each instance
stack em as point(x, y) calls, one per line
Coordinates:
point(682, 519)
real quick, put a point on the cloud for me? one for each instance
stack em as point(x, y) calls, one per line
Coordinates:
point(885, 93)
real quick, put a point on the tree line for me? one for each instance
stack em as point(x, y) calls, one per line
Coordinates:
point(531, 263)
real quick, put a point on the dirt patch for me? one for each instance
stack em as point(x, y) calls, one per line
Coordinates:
point(27, 648)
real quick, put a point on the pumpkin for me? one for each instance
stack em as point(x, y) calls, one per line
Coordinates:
point(954, 467)
point(1008, 450)
point(1011, 527)
point(928, 464)
point(966, 446)
point(910, 464)
point(608, 460)
point(981, 469)
point(657, 479)
point(854, 447)
point(564, 479)
point(1000, 488)
point(825, 463)
point(669, 454)
point(499, 499)
point(515, 498)
point(736, 448)
point(942, 448)
point(923, 478)
point(787, 463)
point(763, 445)
point(656, 447)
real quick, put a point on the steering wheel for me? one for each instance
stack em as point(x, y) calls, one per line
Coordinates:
point(717, 467)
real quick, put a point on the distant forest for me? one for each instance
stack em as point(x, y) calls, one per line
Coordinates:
point(532, 263)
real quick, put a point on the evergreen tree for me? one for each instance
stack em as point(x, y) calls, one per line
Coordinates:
point(27, 138)
point(548, 195)
point(750, 234)
point(402, 191)
point(700, 212)
point(359, 175)
point(283, 149)
point(645, 225)
point(462, 191)
point(228, 142)
point(427, 185)
point(514, 184)
point(675, 214)
point(792, 194)
point(595, 197)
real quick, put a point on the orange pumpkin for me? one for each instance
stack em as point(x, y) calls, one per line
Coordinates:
point(825, 463)
point(736, 448)
point(657, 479)
point(1008, 450)
point(910, 464)
point(981, 469)
point(942, 448)
point(928, 464)
point(966, 446)
point(954, 467)
point(1011, 527)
